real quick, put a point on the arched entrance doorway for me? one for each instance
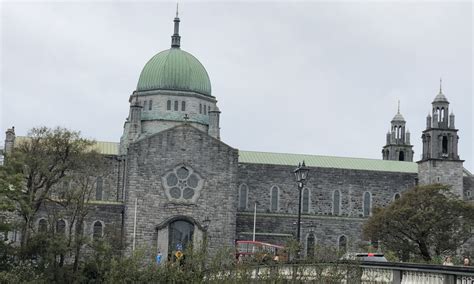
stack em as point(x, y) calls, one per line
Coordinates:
point(180, 235)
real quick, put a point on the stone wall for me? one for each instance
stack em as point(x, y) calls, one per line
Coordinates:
point(322, 182)
point(150, 161)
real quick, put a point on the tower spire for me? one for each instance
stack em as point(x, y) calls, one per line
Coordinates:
point(176, 38)
point(440, 85)
point(398, 107)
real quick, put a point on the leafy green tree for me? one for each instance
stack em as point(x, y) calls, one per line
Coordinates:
point(426, 221)
point(34, 167)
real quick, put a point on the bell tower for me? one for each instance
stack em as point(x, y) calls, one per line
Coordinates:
point(397, 147)
point(440, 162)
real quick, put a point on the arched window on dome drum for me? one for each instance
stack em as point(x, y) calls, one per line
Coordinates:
point(42, 226)
point(204, 106)
point(243, 195)
point(367, 204)
point(310, 245)
point(144, 105)
point(183, 106)
point(342, 243)
point(61, 227)
point(305, 201)
point(97, 230)
point(168, 105)
point(208, 109)
point(176, 105)
point(336, 202)
point(150, 104)
point(200, 108)
point(274, 199)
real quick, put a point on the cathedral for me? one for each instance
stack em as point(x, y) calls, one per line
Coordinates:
point(172, 182)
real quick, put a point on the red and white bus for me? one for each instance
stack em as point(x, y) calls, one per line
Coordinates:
point(259, 251)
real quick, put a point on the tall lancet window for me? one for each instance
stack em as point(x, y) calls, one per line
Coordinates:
point(274, 199)
point(367, 204)
point(336, 202)
point(243, 193)
point(306, 201)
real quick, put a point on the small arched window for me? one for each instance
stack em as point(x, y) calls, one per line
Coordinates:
point(204, 109)
point(342, 243)
point(98, 188)
point(183, 106)
point(144, 105)
point(200, 108)
point(367, 204)
point(61, 227)
point(306, 200)
point(441, 117)
point(42, 226)
point(396, 196)
point(243, 196)
point(445, 145)
point(208, 109)
point(336, 202)
point(176, 105)
point(168, 105)
point(274, 199)
point(310, 245)
point(97, 230)
point(150, 104)
point(401, 156)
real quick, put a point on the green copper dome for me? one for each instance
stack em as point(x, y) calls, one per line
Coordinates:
point(174, 69)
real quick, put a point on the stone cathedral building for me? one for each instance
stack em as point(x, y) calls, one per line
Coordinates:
point(172, 180)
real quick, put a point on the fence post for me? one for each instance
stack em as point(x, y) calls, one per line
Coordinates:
point(397, 276)
point(449, 279)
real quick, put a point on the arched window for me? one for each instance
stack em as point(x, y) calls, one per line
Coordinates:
point(168, 105)
point(208, 109)
point(306, 200)
point(176, 105)
point(204, 108)
point(42, 226)
point(97, 230)
point(98, 188)
point(180, 235)
point(183, 106)
point(310, 245)
point(274, 199)
point(243, 195)
point(61, 227)
point(144, 105)
point(342, 243)
point(396, 196)
point(367, 204)
point(445, 145)
point(401, 156)
point(441, 117)
point(200, 108)
point(336, 202)
point(150, 104)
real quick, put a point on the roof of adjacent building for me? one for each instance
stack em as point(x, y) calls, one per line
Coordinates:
point(177, 70)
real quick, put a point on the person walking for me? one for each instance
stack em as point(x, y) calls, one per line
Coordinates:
point(159, 256)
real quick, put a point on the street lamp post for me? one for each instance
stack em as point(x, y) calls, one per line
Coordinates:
point(301, 174)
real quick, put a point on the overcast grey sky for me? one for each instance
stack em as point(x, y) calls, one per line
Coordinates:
point(300, 77)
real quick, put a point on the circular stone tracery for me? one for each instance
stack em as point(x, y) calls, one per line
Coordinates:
point(182, 184)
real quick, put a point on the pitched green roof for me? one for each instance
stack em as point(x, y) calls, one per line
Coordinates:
point(174, 69)
point(251, 157)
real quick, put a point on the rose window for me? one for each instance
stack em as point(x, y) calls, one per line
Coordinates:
point(182, 184)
